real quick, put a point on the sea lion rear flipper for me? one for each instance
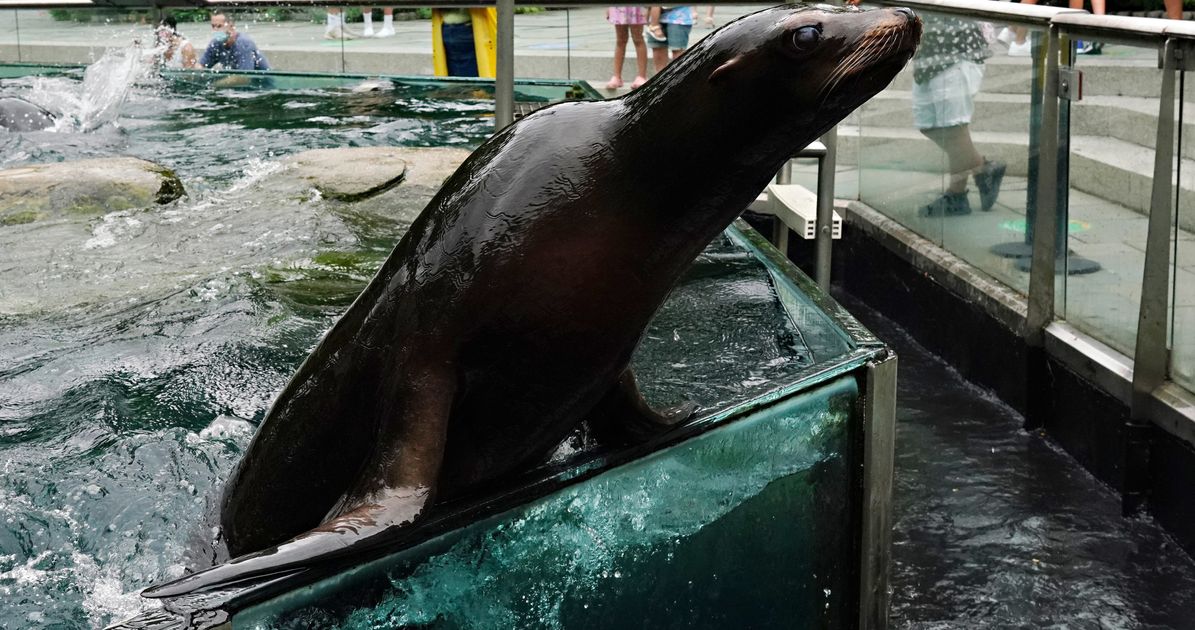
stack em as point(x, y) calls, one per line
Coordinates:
point(624, 417)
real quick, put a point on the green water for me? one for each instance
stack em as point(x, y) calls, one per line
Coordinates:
point(743, 526)
point(139, 348)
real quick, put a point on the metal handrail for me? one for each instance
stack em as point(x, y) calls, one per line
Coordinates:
point(1027, 14)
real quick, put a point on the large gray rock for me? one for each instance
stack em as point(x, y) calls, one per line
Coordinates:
point(355, 174)
point(31, 193)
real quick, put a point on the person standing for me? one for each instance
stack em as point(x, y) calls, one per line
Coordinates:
point(947, 72)
point(334, 26)
point(387, 22)
point(628, 21)
point(668, 30)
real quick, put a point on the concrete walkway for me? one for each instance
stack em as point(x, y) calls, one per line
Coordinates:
point(574, 43)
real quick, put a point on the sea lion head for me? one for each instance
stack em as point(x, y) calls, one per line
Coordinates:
point(802, 65)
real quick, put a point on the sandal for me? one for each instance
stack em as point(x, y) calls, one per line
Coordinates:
point(656, 32)
point(639, 80)
point(614, 83)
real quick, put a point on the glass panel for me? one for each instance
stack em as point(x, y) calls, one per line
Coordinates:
point(959, 119)
point(748, 521)
point(10, 49)
point(1111, 172)
point(1182, 369)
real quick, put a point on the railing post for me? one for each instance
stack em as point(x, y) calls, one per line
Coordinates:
point(1152, 354)
point(504, 82)
point(879, 440)
point(1045, 255)
point(825, 208)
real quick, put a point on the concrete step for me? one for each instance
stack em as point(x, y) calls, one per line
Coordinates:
point(1102, 76)
point(1108, 168)
point(1128, 118)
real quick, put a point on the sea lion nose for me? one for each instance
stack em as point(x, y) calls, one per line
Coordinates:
point(907, 12)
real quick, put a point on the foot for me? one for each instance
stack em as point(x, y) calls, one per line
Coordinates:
point(639, 80)
point(1019, 49)
point(614, 83)
point(1006, 35)
point(987, 180)
point(949, 204)
point(656, 32)
point(708, 21)
point(339, 33)
point(387, 31)
point(368, 32)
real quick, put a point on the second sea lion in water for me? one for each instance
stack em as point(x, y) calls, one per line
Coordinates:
point(509, 312)
point(20, 115)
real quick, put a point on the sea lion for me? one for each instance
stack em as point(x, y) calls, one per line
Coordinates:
point(21, 115)
point(509, 312)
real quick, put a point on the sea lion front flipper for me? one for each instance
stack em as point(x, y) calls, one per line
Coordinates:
point(399, 484)
point(624, 417)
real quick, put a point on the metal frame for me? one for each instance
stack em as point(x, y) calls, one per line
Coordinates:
point(879, 446)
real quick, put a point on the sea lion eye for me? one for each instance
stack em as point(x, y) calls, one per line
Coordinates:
point(806, 37)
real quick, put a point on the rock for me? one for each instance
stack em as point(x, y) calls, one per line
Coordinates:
point(31, 193)
point(354, 174)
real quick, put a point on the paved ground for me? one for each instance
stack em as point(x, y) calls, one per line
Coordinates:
point(565, 43)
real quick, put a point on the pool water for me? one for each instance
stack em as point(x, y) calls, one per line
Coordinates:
point(138, 349)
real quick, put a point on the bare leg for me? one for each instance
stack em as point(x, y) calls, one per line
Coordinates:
point(659, 57)
point(640, 56)
point(1174, 9)
point(620, 53)
point(1021, 31)
point(960, 152)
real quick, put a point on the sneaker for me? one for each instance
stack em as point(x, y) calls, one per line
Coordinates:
point(947, 205)
point(1006, 36)
point(387, 31)
point(1019, 50)
point(1083, 48)
point(368, 32)
point(988, 179)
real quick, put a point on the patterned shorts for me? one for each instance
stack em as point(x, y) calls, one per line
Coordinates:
point(626, 15)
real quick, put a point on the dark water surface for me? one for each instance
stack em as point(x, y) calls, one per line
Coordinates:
point(996, 527)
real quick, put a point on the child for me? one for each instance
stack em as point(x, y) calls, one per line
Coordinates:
point(628, 21)
point(668, 29)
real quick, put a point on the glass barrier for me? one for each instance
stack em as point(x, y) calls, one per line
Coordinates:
point(949, 149)
point(1111, 161)
point(743, 524)
point(1182, 357)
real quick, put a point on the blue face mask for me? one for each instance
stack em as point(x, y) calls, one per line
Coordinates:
point(220, 37)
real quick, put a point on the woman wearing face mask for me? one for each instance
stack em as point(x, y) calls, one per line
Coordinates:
point(178, 53)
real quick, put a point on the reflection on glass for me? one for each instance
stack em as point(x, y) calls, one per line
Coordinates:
point(746, 522)
point(946, 150)
point(1182, 368)
point(1111, 174)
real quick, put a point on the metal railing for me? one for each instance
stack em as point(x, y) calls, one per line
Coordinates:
point(1151, 393)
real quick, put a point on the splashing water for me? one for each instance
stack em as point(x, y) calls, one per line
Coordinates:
point(105, 88)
